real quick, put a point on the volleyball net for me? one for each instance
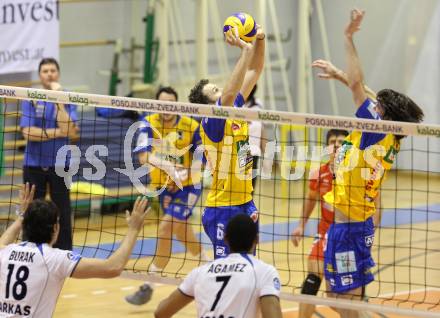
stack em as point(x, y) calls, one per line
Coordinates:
point(104, 175)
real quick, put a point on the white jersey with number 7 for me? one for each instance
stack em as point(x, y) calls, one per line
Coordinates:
point(231, 287)
point(31, 278)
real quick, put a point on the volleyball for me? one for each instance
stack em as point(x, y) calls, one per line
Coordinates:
point(245, 23)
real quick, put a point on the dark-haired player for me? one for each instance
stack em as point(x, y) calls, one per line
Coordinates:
point(226, 142)
point(360, 165)
point(238, 285)
point(32, 272)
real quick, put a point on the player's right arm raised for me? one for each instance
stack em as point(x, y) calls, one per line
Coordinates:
point(354, 70)
point(114, 265)
point(235, 81)
point(256, 65)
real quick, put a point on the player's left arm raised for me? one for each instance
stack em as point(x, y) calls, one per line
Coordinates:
point(355, 75)
point(26, 196)
point(256, 65)
point(329, 71)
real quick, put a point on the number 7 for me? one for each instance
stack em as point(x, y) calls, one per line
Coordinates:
point(225, 280)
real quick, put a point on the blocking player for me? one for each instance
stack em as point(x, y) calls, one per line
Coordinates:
point(177, 138)
point(32, 272)
point(321, 182)
point(361, 165)
point(227, 142)
point(238, 285)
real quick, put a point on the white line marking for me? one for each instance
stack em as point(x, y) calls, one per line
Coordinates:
point(99, 292)
point(67, 296)
point(290, 309)
point(404, 292)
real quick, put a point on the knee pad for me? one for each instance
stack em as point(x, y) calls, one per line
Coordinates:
point(311, 285)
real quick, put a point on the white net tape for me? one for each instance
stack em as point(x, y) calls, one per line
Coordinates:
point(277, 117)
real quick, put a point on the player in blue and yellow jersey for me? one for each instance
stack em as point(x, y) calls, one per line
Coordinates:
point(167, 143)
point(360, 167)
point(227, 142)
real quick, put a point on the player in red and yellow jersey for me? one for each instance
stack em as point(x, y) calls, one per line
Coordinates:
point(226, 142)
point(360, 167)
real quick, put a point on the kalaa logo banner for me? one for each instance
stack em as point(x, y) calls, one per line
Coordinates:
point(29, 32)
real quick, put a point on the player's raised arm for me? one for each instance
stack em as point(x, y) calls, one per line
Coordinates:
point(235, 81)
point(26, 196)
point(114, 265)
point(329, 71)
point(354, 70)
point(256, 65)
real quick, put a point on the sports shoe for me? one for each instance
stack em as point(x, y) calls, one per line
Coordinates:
point(141, 297)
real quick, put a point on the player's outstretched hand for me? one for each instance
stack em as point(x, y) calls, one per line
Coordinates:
point(135, 220)
point(26, 196)
point(233, 39)
point(297, 235)
point(354, 25)
point(260, 33)
point(328, 70)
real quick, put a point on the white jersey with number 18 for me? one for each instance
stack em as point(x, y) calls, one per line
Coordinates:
point(31, 278)
point(231, 287)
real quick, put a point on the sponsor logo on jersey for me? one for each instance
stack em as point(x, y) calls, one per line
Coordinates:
point(330, 268)
point(73, 257)
point(220, 251)
point(276, 283)
point(346, 280)
point(369, 240)
point(391, 155)
point(345, 262)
